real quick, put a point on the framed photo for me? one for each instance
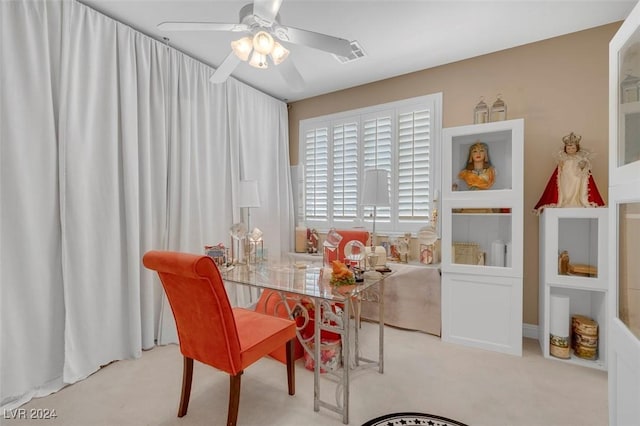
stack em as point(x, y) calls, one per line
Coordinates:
point(467, 254)
point(426, 254)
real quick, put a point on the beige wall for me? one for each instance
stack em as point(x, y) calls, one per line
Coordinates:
point(558, 86)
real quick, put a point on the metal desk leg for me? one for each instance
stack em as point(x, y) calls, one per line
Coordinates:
point(381, 328)
point(346, 361)
point(356, 338)
point(316, 356)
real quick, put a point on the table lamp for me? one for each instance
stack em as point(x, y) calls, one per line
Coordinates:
point(375, 192)
point(249, 197)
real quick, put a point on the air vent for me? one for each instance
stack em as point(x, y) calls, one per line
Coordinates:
point(356, 53)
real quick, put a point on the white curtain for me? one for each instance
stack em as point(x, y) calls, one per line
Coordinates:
point(32, 305)
point(110, 131)
point(264, 156)
point(113, 144)
point(200, 178)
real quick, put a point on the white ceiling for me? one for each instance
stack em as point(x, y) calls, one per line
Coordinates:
point(397, 36)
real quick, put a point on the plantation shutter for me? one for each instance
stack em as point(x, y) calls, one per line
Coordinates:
point(378, 139)
point(336, 150)
point(414, 165)
point(345, 171)
point(316, 173)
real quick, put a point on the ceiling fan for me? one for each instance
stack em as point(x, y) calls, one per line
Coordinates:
point(260, 22)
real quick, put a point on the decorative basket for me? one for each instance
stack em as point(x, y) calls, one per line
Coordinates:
point(330, 355)
point(581, 324)
point(584, 339)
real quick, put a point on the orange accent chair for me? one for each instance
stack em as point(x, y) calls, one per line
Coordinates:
point(270, 303)
point(347, 235)
point(210, 330)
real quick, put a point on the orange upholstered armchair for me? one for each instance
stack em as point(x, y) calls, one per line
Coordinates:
point(210, 330)
point(347, 235)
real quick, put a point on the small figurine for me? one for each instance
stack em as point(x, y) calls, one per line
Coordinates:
point(478, 172)
point(434, 218)
point(563, 263)
point(571, 184)
point(312, 242)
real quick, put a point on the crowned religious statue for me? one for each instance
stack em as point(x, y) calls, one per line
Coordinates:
point(571, 184)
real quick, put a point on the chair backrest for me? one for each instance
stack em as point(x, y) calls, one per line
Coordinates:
point(201, 308)
point(348, 235)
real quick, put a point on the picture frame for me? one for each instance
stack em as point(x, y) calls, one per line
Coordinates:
point(467, 254)
point(427, 253)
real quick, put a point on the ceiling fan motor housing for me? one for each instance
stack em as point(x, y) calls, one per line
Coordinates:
point(253, 21)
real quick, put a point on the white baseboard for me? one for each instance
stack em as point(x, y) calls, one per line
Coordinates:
point(530, 331)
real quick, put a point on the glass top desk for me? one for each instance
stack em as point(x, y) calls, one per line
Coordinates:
point(308, 297)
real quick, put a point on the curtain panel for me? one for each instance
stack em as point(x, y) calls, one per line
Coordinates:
point(31, 286)
point(113, 144)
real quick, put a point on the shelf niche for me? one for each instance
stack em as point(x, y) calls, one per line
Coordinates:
point(582, 232)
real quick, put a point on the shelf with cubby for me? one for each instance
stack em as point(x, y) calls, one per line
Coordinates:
point(574, 239)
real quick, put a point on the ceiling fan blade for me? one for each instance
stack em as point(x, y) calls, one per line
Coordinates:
point(291, 75)
point(225, 69)
point(267, 9)
point(200, 26)
point(327, 43)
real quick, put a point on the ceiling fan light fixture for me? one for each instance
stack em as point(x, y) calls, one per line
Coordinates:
point(263, 42)
point(242, 47)
point(279, 53)
point(259, 60)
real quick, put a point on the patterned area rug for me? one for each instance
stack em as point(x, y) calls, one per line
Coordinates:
point(407, 419)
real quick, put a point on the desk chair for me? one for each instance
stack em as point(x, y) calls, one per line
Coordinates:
point(210, 330)
point(347, 235)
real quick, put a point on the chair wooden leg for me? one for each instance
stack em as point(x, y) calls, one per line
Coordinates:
point(291, 369)
point(187, 375)
point(234, 399)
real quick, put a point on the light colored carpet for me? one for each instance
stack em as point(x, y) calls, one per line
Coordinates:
point(422, 374)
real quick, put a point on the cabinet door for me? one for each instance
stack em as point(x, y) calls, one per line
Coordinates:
point(483, 312)
point(624, 279)
point(624, 216)
point(624, 147)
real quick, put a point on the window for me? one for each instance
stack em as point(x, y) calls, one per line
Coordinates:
point(402, 137)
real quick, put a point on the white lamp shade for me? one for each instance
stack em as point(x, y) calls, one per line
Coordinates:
point(242, 48)
point(279, 53)
point(375, 191)
point(248, 195)
point(263, 42)
point(258, 60)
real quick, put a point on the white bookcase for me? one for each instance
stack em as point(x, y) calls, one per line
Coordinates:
point(582, 232)
point(482, 240)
